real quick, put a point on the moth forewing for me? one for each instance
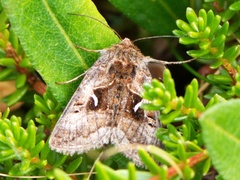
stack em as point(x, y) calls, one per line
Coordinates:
point(105, 109)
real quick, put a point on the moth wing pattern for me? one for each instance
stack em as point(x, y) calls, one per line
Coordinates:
point(77, 130)
point(136, 126)
point(105, 109)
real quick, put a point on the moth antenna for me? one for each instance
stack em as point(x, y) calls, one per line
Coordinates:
point(84, 15)
point(149, 60)
point(160, 61)
point(88, 50)
point(154, 37)
point(72, 80)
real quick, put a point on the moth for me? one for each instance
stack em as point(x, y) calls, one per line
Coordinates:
point(105, 109)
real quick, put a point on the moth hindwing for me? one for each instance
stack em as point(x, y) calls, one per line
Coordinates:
point(105, 109)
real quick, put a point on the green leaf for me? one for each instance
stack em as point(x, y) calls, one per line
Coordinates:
point(59, 159)
point(213, 22)
point(188, 97)
point(233, 27)
point(132, 171)
point(40, 103)
point(105, 172)
point(191, 15)
point(21, 80)
point(188, 172)
point(148, 161)
point(37, 148)
point(157, 17)
point(218, 78)
point(203, 15)
point(184, 26)
point(7, 61)
point(205, 44)
point(227, 14)
point(138, 175)
point(15, 127)
point(25, 164)
point(164, 157)
point(5, 73)
point(60, 174)
point(168, 118)
point(218, 41)
point(201, 24)
point(193, 34)
point(188, 40)
point(179, 33)
point(235, 6)
point(206, 33)
point(194, 85)
point(23, 137)
point(5, 114)
point(198, 53)
point(223, 30)
point(220, 127)
point(6, 154)
point(231, 53)
point(181, 151)
point(31, 139)
point(207, 165)
point(74, 165)
point(169, 83)
point(48, 34)
point(16, 96)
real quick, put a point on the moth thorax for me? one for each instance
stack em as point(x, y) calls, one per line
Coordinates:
point(122, 67)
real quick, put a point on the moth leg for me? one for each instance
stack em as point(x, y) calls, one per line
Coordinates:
point(72, 80)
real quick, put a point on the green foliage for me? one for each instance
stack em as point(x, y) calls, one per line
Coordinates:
point(47, 51)
point(221, 134)
point(20, 145)
point(167, 11)
point(48, 35)
point(205, 31)
point(164, 95)
point(12, 68)
point(47, 110)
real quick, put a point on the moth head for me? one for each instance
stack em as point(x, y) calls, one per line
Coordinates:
point(122, 67)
